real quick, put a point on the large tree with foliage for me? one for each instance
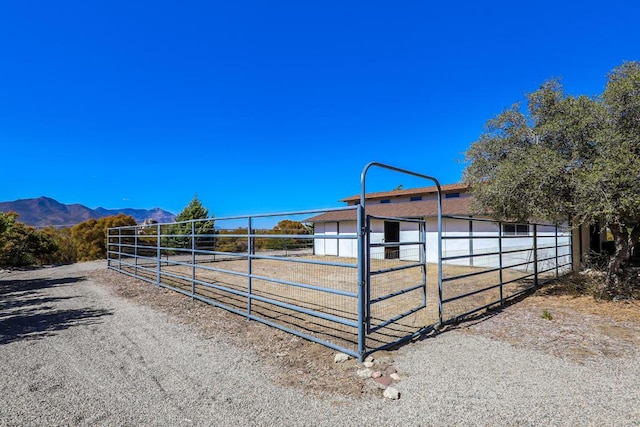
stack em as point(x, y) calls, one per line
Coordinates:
point(66, 249)
point(193, 211)
point(90, 237)
point(567, 158)
point(21, 245)
point(289, 227)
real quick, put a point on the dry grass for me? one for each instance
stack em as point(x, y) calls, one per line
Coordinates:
point(580, 327)
point(577, 290)
point(566, 320)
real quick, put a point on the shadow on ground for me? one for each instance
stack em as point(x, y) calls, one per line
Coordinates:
point(8, 287)
point(27, 312)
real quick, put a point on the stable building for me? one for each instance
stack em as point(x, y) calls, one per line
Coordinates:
point(465, 233)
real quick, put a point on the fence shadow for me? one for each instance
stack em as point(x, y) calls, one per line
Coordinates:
point(490, 312)
point(25, 313)
point(13, 286)
point(465, 321)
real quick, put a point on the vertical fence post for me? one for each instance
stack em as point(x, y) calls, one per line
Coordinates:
point(367, 277)
point(535, 254)
point(249, 267)
point(423, 259)
point(571, 244)
point(158, 255)
point(193, 259)
point(470, 242)
point(557, 259)
point(500, 265)
point(108, 247)
point(117, 245)
point(120, 248)
point(135, 251)
point(361, 281)
point(440, 231)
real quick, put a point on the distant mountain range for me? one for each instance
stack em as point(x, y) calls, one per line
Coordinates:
point(45, 211)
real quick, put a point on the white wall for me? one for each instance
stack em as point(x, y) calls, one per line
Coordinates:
point(410, 232)
point(377, 236)
point(348, 247)
point(452, 247)
point(318, 244)
point(336, 246)
point(330, 245)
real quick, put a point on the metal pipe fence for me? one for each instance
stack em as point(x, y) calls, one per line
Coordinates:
point(268, 274)
point(495, 261)
point(276, 276)
point(345, 288)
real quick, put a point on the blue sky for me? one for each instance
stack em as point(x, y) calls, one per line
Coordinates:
point(270, 106)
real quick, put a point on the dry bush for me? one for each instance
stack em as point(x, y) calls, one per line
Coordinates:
point(595, 281)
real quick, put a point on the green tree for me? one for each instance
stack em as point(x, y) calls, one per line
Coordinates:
point(567, 158)
point(21, 245)
point(194, 210)
point(204, 230)
point(90, 237)
point(232, 244)
point(288, 227)
point(66, 250)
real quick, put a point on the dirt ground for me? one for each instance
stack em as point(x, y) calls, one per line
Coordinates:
point(552, 320)
point(303, 363)
point(561, 323)
point(83, 345)
point(479, 284)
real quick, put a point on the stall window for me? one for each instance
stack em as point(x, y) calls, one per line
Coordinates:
point(515, 229)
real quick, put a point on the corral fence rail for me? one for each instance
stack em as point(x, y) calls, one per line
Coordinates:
point(487, 262)
point(265, 273)
point(275, 269)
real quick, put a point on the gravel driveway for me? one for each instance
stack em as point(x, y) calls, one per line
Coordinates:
point(74, 353)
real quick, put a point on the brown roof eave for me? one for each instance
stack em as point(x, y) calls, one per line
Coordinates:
point(417, 209)
point(409, 192)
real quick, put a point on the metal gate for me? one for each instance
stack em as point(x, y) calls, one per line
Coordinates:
point(396, 270)
point(387, 269)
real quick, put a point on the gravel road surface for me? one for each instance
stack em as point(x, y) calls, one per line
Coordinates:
point(73, 353)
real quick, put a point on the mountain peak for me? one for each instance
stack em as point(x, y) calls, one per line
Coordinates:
point(45, 211)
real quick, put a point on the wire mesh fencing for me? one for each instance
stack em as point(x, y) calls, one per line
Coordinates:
point(280, 270)
point(487, 262)
point(263, 267)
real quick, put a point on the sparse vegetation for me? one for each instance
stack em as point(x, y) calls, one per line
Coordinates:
point(288, 227)
point(21, 245)
point(590, 282)
point(227, 240)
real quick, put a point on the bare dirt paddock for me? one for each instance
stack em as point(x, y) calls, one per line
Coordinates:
point(216, 282)
point(82, 345)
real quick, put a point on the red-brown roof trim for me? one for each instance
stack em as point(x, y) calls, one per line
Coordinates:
point(410, 192)
point(419, 209)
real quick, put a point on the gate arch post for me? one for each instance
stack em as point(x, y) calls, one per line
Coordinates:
point(363, 284)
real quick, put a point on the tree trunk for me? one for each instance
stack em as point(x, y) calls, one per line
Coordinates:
point(635, 242)
point(621, 256)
